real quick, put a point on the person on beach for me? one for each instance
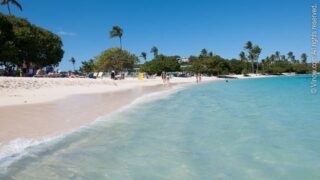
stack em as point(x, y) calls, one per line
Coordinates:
point(122, 76)
point(113, 75)
point(197, 78)
point(40, 73)
point(168, 78)
point(164, 77)
point(24, 68)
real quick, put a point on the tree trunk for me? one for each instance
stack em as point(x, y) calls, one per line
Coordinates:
point(252, 66)
point(9, 8)
point(120, 43)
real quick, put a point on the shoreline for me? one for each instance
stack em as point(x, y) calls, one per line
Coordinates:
point(54, 115)
point(27, 125)
point(62, 109)
point(24, 91)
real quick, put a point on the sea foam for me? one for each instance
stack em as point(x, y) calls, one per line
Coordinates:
point(18, 148)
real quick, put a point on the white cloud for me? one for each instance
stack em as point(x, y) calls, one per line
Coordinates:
point(64, 33)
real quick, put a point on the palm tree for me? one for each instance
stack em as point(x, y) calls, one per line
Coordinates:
point(242, 56)
point(210, 54)
point(73, 62)
point(291, 56)
point(248, 46)
point(272, 58)
point(154, 50)
point(256, 51)
point(293, 59)
point(251, 58)
point(268, 62)
point(204, 53)
point(117, 32)
point(14, 2)
point(283, 58)
point(244, 59)
point(304, 58)
point(144, 55)
point(277, 55)
point(263, 62)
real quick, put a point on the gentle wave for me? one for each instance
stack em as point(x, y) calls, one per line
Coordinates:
point(18, 148)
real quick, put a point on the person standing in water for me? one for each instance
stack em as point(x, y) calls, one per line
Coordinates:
point(168, 78)
point(197, 78)
point(164, 77)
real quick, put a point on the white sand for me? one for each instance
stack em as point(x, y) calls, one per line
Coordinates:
point(17, 91)
point(35, 108)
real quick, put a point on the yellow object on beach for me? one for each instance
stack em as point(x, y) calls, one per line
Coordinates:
point(140, 76)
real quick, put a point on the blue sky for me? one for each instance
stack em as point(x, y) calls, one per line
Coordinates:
point(176, 27)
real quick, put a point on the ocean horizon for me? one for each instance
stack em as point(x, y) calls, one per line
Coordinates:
point(266, 128)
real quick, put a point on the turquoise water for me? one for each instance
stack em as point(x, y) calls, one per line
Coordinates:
point(245, 129)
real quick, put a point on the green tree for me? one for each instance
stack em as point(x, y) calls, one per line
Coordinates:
point(73, 62)
point(277, 56)
point(14, 2)
point(304, 58)
point(155, 51)
point(116, 59)
point(198, 67)
point(161, 63)
point(7, 48)
point(144, 55)
point(29, 44)
point(192, 59)
point(301, 69)
point(203, 53)
point(256, 51)
point(249, 46)
point(117, 32)
point(236, 66)
point(242, 56)
point(214, 65)
point(244, 61)
point(87, 66)
point(291, 57)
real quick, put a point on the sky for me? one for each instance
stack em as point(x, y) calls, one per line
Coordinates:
point(176, 27)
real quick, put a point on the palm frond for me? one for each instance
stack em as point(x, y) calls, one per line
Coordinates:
point(116, 32)
point(14, 2)
point(4, 2)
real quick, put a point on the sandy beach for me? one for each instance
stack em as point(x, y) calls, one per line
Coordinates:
point(36, 108)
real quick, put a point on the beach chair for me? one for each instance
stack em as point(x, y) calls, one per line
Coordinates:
point(95, 75)
point(100, 74)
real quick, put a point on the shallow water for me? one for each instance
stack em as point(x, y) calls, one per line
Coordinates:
point(245, 129)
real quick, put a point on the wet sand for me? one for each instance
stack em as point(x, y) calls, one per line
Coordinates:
point(44, 120)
